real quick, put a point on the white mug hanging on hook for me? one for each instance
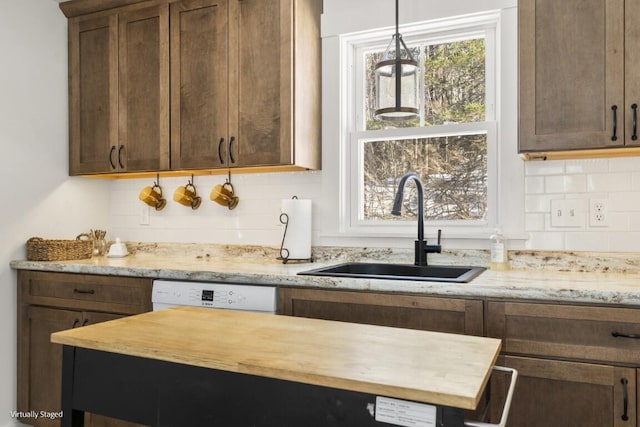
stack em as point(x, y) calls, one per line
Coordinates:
point(296, 239)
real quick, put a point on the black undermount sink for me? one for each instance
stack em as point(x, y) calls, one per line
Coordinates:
point(427, 273)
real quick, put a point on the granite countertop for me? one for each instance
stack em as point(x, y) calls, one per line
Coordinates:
point(594, 279)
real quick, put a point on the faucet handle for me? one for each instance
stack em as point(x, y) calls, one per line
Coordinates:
point(439, 235)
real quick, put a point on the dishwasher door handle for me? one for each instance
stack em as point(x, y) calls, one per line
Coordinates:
point(507, 402)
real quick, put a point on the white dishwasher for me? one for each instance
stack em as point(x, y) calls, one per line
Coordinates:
point(171, 293)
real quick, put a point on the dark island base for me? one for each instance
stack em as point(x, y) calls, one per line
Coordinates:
point(165, 394)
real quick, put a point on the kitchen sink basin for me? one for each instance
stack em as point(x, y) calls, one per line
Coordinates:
point(427, 273)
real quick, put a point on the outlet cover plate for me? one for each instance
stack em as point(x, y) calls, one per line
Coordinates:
point(599, 213)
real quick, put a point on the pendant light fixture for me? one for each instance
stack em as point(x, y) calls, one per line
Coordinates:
point(397, 82)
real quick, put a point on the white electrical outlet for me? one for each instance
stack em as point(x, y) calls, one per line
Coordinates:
point(599, 212)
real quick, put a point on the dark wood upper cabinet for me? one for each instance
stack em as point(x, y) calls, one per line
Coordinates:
point(199, 84)
point(577, 60)
point(194, 85)
point(118, 92)
point(93, 94)
point(143, 107)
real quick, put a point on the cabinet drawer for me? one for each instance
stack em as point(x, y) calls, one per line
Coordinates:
point(127, 295)
point(608, 334)
point(561, 393)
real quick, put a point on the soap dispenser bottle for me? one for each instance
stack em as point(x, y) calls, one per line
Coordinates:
point(499, 258)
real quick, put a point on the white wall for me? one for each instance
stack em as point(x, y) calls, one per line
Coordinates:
point(39, 199)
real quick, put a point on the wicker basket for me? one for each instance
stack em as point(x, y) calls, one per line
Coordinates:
point(39, 249)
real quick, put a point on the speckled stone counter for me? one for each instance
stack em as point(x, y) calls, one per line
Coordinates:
point(583, 278)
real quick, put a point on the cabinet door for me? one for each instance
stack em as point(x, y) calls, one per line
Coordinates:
point(143, 108)
point(261, 82)
point(451, 315)
point(40, 361)
point(93, 95)
point(199, 84)
point(556, 393)
point(632, 65)
point(571, 74)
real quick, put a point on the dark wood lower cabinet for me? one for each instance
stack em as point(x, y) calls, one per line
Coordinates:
point(568, 394)
point(438, 314)
point(451, 315)
point(52, 302)
point(44, 362)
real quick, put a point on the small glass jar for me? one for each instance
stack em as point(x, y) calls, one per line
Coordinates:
point(99, 247)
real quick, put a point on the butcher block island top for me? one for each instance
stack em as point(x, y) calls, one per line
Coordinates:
point(431, 367)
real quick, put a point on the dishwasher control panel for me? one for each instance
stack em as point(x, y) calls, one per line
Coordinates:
point(167, 293)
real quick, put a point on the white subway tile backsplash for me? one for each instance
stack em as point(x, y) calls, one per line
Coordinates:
point(565, 184)
point(624, 242)
point(587, 166)
point(587, 241)
point(609, 182)
point(534, 184)
point(539, 203)
point(254, 221)
point(635, 181)
point(616, 180)
point(550, 167)
point(535, 221)
point(545, 241)
point(628, 201)
point(634, 221)
point(624, 164)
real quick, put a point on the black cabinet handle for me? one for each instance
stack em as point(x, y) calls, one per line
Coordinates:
point(233, 138)
point(614, 108)
point(220, 151)
point(120, 156)
point(619, 335)
point(113, 149)
point(634, 136)
point(84, 322)
point(75, 323)
point(82, 291)
point(625, 397)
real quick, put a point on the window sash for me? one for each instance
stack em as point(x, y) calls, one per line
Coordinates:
point(355, 187)
point(351, 173)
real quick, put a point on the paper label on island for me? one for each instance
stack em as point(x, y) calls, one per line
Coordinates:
point(405, 413)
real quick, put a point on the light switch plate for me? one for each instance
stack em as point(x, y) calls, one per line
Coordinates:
point(566, 213)
point(144, 215)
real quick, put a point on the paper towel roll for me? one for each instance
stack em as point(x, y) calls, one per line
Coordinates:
point(298, 238)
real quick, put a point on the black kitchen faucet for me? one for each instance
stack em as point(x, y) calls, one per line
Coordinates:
point(421, 246)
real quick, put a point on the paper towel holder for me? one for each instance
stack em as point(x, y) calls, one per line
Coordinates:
point(284, 252)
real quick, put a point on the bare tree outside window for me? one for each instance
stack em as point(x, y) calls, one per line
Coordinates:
point(453, 168)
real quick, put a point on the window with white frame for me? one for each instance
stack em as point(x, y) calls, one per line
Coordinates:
point(452, 146)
